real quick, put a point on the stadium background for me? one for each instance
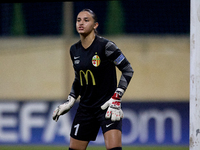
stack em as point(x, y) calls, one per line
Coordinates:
point(34, 52)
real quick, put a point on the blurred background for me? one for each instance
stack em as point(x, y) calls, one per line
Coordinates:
point(36, 69)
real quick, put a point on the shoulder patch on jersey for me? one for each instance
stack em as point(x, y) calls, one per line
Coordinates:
point(96, 60)
point(119, 59)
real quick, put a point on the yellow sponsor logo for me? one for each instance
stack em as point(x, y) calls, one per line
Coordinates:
point(85, 74)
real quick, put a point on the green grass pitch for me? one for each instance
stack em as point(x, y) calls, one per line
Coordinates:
point(90, 148)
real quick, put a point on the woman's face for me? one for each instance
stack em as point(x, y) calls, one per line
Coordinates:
point(85, 23)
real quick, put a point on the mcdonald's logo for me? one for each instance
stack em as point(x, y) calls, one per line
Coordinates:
point(85, 74)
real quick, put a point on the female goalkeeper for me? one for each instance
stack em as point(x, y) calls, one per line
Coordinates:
point(95, 60)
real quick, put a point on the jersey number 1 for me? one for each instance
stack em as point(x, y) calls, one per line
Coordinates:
point(76, 130)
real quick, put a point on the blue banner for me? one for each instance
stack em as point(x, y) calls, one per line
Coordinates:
point(145, 123)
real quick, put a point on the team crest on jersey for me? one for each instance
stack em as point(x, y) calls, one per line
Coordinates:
point(96, 60)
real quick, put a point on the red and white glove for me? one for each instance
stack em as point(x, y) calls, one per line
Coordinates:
point(63, 108)
point(114, 106)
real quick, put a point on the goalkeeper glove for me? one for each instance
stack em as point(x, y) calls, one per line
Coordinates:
point(114, 106)
point(64, 108)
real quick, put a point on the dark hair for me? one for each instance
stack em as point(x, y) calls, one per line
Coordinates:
point(94, 16)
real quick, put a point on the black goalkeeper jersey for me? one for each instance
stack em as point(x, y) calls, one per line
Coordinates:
point(95, 71)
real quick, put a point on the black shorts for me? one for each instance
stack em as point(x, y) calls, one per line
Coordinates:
point(87, 123)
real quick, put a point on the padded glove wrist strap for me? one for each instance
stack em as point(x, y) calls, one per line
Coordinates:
point(118, 94)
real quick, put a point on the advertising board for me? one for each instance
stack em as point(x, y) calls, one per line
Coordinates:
point(145, 123)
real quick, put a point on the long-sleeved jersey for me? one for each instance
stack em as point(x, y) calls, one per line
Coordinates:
point(95, 71)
